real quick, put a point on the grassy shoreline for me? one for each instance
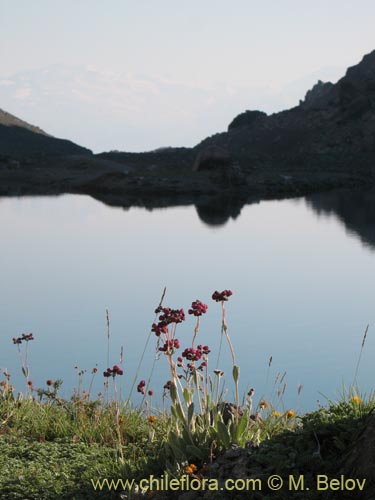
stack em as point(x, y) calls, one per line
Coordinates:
point(53, 448)
point(56, 451)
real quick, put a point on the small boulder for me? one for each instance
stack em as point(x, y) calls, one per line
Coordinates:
point(212, 158)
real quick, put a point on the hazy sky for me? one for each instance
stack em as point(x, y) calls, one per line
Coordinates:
point(214, 58)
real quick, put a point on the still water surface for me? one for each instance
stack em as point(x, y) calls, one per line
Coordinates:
point(302, 272)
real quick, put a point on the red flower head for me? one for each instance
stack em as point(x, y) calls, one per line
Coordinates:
point(167, 317)
point(198, 308)
point(221, 296)
point(167, 385)
point(141, 386)
point(112, 372)
point(170, 346)
point(192, 354)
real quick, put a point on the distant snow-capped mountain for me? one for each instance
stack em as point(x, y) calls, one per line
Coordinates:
point(104, 110)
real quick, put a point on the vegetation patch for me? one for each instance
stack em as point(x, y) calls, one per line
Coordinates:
point(53, 448)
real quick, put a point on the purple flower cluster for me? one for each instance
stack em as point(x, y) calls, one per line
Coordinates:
point(192, 354)
point(167, 317)
point(198, 308)
point(112, 372)
point(202, 365)
point(221, 296)
point(169, 346)
point(141, 387)
point(24, 337)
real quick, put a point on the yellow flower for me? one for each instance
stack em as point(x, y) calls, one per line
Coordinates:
point(263, 405)
point(290, 414)
point(191, 468)
point(152, 419)
point(276, 414)
point(356, 400)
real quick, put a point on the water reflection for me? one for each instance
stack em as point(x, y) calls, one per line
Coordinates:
point(303, 289)
point(218, 211)
point(354, 209)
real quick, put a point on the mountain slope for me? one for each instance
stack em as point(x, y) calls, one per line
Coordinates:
point(333, 127)
point(19, 138)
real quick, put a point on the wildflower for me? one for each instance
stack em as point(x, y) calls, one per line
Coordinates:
point(204, 349)
point(167, 385)
point(192, 354)
point(191, 468)
point(356, 400)
point(121, 420)
point(276, 414)
point(180, 361)
point(169, 346)
point(221, 296)
point(167, 317)
point(94, 370)
point(141, 386)
point(219, 373)
point(112, 372)
point(159, 328)
point(198, 308)
point(263, 405)
point(30, 383)
point(49, 382)
point(152, 419)
point(24, 337)
point(117, 370)
point(290, 414)
point(150, 392)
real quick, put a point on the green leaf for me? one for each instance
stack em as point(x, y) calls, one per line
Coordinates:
point(173, 392)
point(194, 452)
point(190, 413)
point(187, 395)
point(241, 426)
point(180, 412)
point(223, 434)
point(195, 379)
point(174, 412)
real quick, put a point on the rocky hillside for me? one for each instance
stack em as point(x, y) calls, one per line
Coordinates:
point(333, 126)
point(20, 139)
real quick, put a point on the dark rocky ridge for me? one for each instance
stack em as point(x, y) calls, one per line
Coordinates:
point(326, 142)
point(20, 139)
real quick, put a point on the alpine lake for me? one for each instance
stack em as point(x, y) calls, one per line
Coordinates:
point(302, 272)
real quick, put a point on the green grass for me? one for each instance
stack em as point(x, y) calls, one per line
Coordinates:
point(53, 451)
point(52, 448)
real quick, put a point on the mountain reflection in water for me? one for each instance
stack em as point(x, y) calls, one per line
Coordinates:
point(354, 209)
point(303, 289)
